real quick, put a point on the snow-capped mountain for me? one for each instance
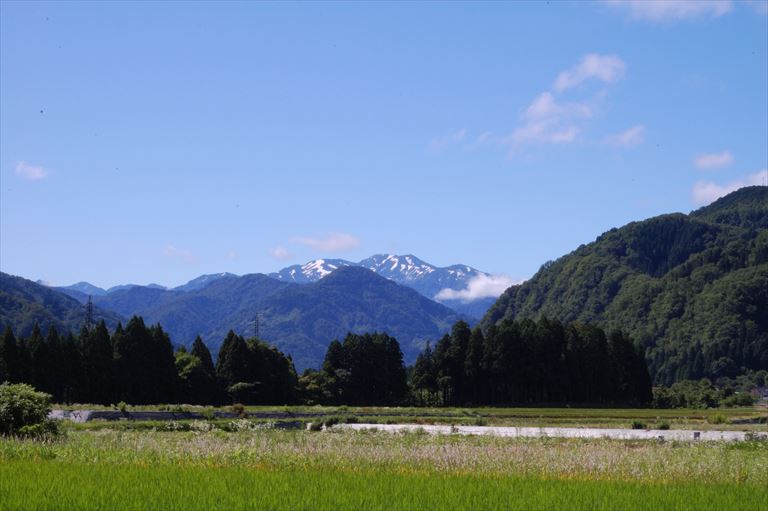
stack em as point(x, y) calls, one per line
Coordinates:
point(310, 272)
point(407, 270)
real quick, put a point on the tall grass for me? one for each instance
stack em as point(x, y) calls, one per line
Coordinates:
point(50, 485)
point(268, 469)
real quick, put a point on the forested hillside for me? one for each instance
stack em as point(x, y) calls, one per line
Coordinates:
point(691, 289)
point(24, 303)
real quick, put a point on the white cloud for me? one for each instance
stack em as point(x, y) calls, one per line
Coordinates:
point(481, 286)
point(713, 160)
point(439, 144)
point(547, 121)
point(180, 254)
point(333, 242)
point(232, 254)
point(672, 10)
point(30, 172)
point(631, 137)
point(705, 192)
point(280, 253)
point(606, 68)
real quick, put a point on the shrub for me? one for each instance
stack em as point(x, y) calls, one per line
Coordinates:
point(663, 425)
point(331, 421)
point(238, 409)
point(351, 420)
point(24, 411)
point(717, 419)
point(315, 426)
point(48, 429)
point(208, 413)
point(637, 424)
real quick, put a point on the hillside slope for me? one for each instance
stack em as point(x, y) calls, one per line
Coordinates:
point(693, 289)
point(24, 303)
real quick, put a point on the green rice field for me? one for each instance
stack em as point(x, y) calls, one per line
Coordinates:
point(252, 466)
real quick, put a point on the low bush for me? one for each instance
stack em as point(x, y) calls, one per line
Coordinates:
point(238, 409)
point(717, 419)
point(24, 412)
point(636, 424)
point(331, 421)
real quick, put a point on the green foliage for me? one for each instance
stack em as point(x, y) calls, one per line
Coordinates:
point(691, 290)
point(637, 424)
point(705, 394)
point(365, 369)
point(526, 361)
point(24, 304)
point(717, 419)
point(24, 411)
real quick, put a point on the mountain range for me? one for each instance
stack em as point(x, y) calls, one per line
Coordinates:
point(24, 303)
point(300, 319)
point(692, 289)
point(407, 270)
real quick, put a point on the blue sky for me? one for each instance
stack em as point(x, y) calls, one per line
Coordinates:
point(150, 142)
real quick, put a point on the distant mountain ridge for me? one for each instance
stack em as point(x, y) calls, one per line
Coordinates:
point(407, 270)
point(692, 289)
point(299, 319)
point(24, 303)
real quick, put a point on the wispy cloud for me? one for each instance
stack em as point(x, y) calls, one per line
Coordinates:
point(660, 11)
point(713, 160)
point(440, 143)
point(629, 138)
point(705, 192)
point(30, 172)
point(232, 254)
point(280, 253)
point(481, 286)
point(604, 68)
point(333, 242)
point(180, 254)
point(547, 121)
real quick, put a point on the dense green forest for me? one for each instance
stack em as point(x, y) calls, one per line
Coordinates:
point(137, 365)
point(532, 362)
point(518, 362)
point(692, 290)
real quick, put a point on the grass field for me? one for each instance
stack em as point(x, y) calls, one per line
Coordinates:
point(262, 468)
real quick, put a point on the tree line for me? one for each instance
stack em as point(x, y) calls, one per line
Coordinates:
point(516, 362)
point(137, 364)
point(530, 362)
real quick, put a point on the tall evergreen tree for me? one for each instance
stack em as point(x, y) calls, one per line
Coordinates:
point(9, 354)
point(96, 349)
point(232, 366)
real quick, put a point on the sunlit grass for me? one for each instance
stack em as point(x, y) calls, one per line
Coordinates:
point(269, 469)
